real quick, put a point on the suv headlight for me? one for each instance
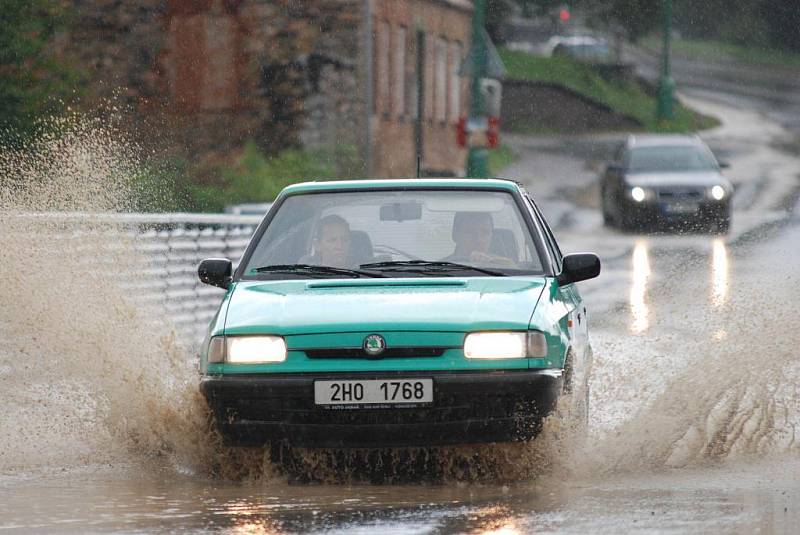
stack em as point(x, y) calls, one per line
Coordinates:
point(247, 349)
point(717, 193)
point(640, 194)
point(505, 345)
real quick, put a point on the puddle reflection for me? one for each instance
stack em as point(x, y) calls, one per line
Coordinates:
point(719, 273)
point(253, 528)
point(640, 275)
point(495, 520)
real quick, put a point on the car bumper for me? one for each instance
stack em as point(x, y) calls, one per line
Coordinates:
point(663, 212)
point(468, 407)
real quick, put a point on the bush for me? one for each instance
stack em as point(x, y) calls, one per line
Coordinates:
point(256, 177)
point(163, 187)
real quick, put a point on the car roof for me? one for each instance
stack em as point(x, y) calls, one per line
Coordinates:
point(660, 140)
point(406, 183)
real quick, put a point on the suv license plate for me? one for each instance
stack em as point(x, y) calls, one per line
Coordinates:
point(374, 392)
point(681, 208)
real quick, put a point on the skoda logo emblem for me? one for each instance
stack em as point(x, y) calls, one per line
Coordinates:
point(374, 345)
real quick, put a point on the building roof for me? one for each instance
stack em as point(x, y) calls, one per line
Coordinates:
point(406, 183)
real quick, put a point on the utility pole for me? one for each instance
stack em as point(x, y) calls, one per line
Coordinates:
point(478, 157)
point(666, 86)
point(369, 97)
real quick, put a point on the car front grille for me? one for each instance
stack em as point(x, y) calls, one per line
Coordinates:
point(680, 194)
point(359, 353)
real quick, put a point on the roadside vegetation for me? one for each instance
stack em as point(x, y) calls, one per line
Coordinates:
point(256, 177)
point(500, 158)
point(625, 97)
point(35, 82)
point(722, 51)
point(175, 185)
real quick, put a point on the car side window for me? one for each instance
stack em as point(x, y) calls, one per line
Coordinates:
point(556, 250)
point(552, 246)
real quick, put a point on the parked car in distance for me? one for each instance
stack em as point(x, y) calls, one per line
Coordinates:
point(664, 181)
point(382, 313)
point(581, 47)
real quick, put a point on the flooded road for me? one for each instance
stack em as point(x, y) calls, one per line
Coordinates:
point(694, 405)
point(744, 499)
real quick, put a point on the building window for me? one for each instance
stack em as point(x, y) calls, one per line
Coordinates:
point(413, 78)
point(399, 72)
point(429, 75)
point(441, 80)
point(455, 81)
point(381, 67)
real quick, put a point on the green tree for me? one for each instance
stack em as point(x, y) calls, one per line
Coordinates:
point(636, 17)
point(497, 12)
point(33, 82)
point(782, 20)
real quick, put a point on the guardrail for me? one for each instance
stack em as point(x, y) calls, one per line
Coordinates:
point(167, 249)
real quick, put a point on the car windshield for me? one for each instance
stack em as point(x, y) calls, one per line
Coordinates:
point(673, 159)
point(395, 234)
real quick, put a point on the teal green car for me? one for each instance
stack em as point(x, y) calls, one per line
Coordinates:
point(387, 313)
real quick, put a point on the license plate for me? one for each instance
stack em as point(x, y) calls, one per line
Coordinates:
point(373, 392)
point(681, 208)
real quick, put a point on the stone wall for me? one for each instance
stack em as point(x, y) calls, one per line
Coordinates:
point(200, 78)
point(205, 76)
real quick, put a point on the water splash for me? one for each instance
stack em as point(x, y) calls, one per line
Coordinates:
point(711, 382)
point(87, 376)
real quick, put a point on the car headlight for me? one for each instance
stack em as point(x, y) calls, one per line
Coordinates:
point(505, 345)
point(718, 193)
point(247, 349)
point(638, 194)
point(216, 350)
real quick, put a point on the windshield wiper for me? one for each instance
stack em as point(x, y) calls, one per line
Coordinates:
point(427, 266)
point(315, 270)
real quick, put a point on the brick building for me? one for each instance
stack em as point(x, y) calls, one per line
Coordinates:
point(207, 75)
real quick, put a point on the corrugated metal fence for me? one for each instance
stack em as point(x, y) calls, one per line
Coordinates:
point(163, 275)
point(174, 245)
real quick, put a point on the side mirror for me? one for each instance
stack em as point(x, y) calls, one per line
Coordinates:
point(579, 267)
point(724, 165)
point(216, 272)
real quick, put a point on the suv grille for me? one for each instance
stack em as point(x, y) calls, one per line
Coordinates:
point(680, 194)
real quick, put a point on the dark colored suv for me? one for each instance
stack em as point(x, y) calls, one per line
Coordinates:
point(659, 181)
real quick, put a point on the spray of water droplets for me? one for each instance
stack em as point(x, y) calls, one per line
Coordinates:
point(86, 375)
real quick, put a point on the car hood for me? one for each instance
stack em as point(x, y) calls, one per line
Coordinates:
point(704, 179)
point(430, 304)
